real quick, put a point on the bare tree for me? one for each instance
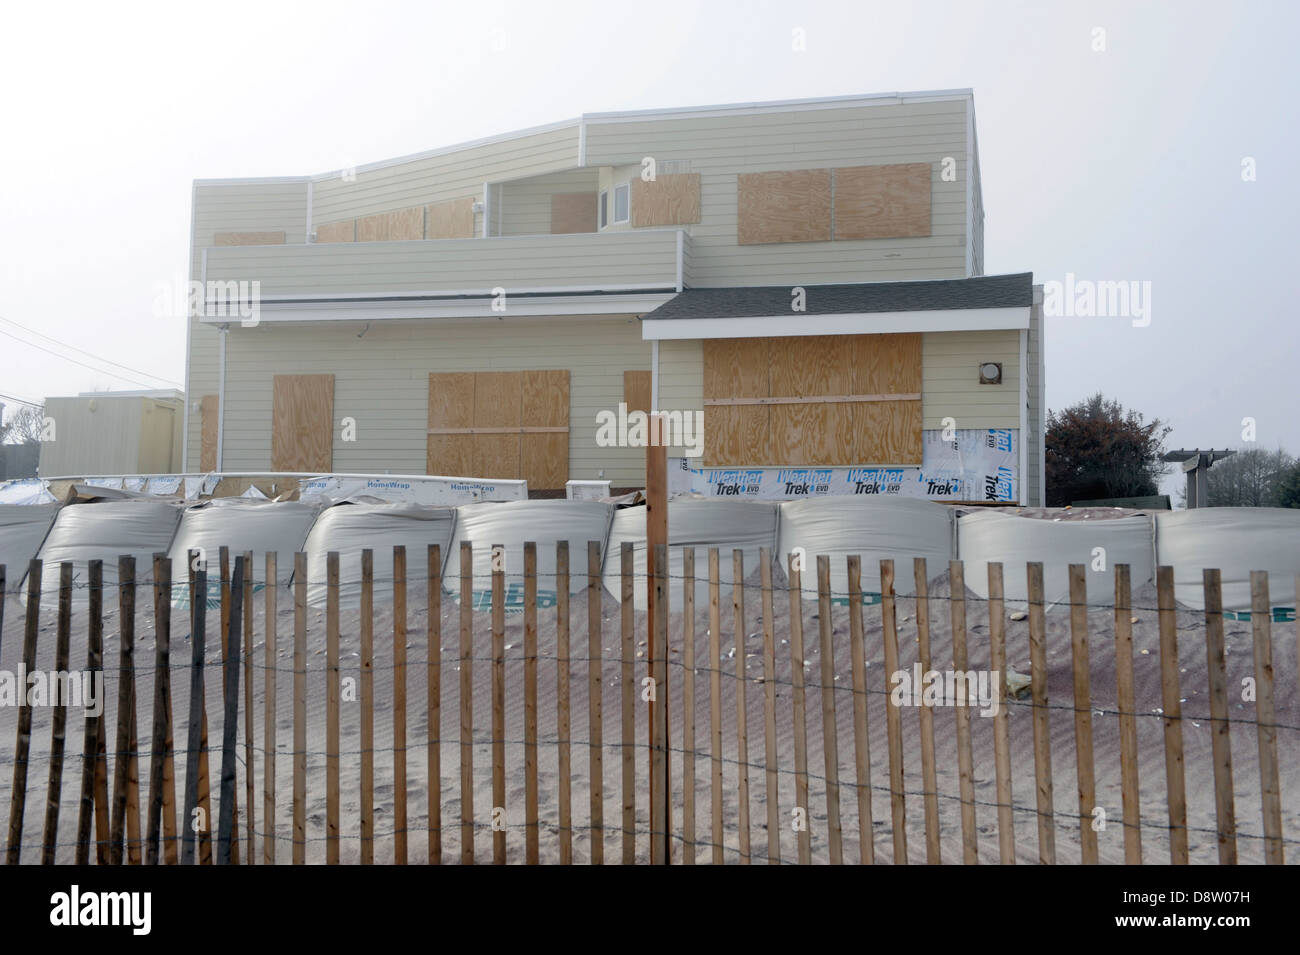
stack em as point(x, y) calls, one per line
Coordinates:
point(1252, 477)
point(25, 425)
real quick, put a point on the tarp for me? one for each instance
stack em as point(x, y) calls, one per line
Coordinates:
point(1236, 540)
point(241, 525)
point(1099, 545)
point(22, 528)
point(544, 522)
point(701, 524)
point(352, 528)
point(25, 491)
point(873, 528)
point(105, 531)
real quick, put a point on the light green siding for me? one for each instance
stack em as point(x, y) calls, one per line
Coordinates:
point(524, 207)
point(950, 385)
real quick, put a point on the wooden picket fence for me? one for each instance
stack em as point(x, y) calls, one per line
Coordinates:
point(168, 837)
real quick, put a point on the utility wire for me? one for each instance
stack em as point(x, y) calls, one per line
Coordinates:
point(102, 371)
point(82, 351)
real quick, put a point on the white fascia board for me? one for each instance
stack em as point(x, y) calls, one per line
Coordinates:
point(479, 308)
point(778, 106)
point(846, 323)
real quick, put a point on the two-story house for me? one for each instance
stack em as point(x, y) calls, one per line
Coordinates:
point(806, 275)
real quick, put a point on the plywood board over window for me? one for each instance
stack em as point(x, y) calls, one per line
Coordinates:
point(573, 212)
point(882, 202)
point(345, 231)
point(208, 410)
point(544, 417)
point(451, 407)
point(397, 226)
point(739, 433)
point(667, 200)
point(452, 219)
point(637, 386)
point(789, 206)
point(302, 423)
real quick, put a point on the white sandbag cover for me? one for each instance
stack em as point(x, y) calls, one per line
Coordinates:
point(241, 525)
point(1015, 541)
point(22, 528)
point(1236, 540)
point(25, 491)
point(105, 531)
point(511, 524)
point(701, 524)
point(352, 528)
point(874, 529)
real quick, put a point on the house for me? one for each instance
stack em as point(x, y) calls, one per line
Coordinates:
point(113, 433)
point(806, 276)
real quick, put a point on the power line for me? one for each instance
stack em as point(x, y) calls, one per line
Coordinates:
point(21, 401)
point(82, 351)
point(102, 371)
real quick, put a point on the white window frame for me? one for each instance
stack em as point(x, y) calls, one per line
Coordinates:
point(602, 210)
point(627, 188)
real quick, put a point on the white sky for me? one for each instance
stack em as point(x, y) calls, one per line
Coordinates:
point(1115, 165)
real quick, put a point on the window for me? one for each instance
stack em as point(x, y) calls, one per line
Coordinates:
point(621, 203)
point(604, 208)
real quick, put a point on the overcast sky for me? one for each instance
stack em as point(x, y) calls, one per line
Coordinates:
point(1122, 164)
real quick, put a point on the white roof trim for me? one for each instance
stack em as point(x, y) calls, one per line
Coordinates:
point(343, 310)
point(845, 323)
point(779, 106)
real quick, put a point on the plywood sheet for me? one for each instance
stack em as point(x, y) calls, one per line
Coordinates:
point(885, 364)
point(669, 200)
point(345, 231)
point(401, 225)
point(302, 423)
point(737, 368)
point(544, 456)
point(451, 405)
point(637, 390)
point(887, 432)
point(807, 435)
point(248, 238)
point(573, 212)
point(882, 202)
point(497, 404)
point(208, 409)
point(452, 219)
point(791, 206)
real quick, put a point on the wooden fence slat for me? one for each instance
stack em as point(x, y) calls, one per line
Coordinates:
point(595, 688)
point(1175, 781)
point(1125, 700)
point(92, 803)
point(715, 704)
point(126, 784)
point(228, 828)
point(794, 575)
point(1001, 728)
point(59, 719)
point(961, 711)
point(198, 575)
point(1220, 728)
point(1042, 725)
point(771, 791)
point(861, 739)
point(893, 716)
point(250, 757)
point(268, 715)
point(742, 710)
point(498, 701)
point(466, 703)
point(399, 706)
point(563, 719)
point(1080, 664)
point(332, 691)
point(367, 628)
point(299, 708)
point(830, 735)
point(627, 691)
point(1266, 717)
point(531, 821)
point(162, 810)
point(225, 650)
point(657, 659)
point(688, 706)
point(929, 773)
point(433, 687)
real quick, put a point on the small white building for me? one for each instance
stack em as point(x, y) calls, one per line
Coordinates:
point(113, 432)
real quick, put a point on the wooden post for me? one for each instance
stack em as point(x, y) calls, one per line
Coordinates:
point(531, 832)
point(742, 721)
point(861, 740)
point(1125, 700)
point(929, 773)
point(1220, 727)
point(191, 824)
point(688, 706)
point(965, 760)
point(830, 738)
point(656, 526)
point(126, 784)
point(94, 802)
point(794, 576)
point(22, 745)
point(433, 686)
point(466, 703)
point(250, 758)
point(162, 798)
point(332, 690)
point(225, 651)
point(268, 715)
point(498, 700)
point(1176, 786)
point(367, 706)
point(399, 706)
point(1042, 725)
point(893, 717)
point(59, 721)
point(1082, 711)
point(228, 830)
point(562, 702)
point(595, 687)
point(627, 691)
point(1001, 729)
point(1266, 717)
point(771, 792)
point(715, 702)
point(299, 708)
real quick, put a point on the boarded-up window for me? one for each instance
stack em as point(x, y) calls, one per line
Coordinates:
point(302, 423)
point(792, 206)
point(882, 202)
point(453, 219)
point(668, 200)
point(573, 212)
point(636, 390)
point(403, 224)
point(345, 231)
point(500, 424)
point(208, 409)
point(821, 401)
